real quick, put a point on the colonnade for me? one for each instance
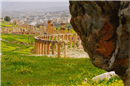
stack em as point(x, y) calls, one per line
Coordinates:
point(15, 30)
point(44, 43)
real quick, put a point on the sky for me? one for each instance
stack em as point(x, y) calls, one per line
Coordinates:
point(18, 5)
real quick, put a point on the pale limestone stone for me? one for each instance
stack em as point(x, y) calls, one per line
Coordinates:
point(106, 75)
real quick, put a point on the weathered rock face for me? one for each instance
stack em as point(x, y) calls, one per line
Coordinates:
point(104, 28)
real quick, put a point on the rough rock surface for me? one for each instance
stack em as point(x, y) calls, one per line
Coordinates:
point(104, 28)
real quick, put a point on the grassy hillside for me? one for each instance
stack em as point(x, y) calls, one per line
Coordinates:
point(21, 68)
point(8, 24)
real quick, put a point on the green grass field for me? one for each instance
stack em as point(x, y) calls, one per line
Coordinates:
point(18, 68)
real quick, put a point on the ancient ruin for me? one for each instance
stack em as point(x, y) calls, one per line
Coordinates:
point(104, 29)
point(43, 43)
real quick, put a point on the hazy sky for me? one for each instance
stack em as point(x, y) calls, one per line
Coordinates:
point(16, 5)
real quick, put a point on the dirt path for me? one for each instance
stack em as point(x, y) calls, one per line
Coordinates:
point(75, 53)
point(71, 53)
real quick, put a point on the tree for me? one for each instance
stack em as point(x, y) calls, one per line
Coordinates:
point(7, 18)
point(104, 29)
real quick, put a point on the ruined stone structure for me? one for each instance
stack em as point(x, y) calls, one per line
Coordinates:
point(69, 30)
point(104, 29)
point(57, 31)
point(49, 30)
point(52, 29)
point(14, 21)
point(17, 23)
point(43, 43)
point(15, 30)
point(1, 19)
point(42, 28)
point(62, 28)
point(25, 24)
point(30, 29)
point(49, 26)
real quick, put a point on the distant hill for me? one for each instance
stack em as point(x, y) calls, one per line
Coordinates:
point(55, 9)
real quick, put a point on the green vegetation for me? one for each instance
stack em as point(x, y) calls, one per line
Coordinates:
point(7, 18)
point(8, 24)
point(21, 68)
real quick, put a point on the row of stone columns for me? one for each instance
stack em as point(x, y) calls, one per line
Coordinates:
point(13, 29)
point(67, 37)
point(43, 47)
point(18, 30)
point(58, 37)
point(44, 43)
point(50, 27)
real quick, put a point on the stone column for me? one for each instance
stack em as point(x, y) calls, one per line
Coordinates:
point(62, 40)
point(35, 47)
point(75, 40)
point(52, 29)
point(48, 37)
point(42, 27)
point(59, 37)
point(53, 48)
point(32, 28)
point(63, 37)
point(62, 28)
point(57, 31)
point(25, 24)
point(66, 37)
point(52, 37)
point(68, 30)
point(14, 22)
point(35, 28)
point(70, 41)
point(45, 48)
point(48, 48)
point(65, 51)
point(56, 40)
point(59, 49)
point(38, 47)
point(42, 47)
point(49, 26)
point(45, 37)
point(17, 23)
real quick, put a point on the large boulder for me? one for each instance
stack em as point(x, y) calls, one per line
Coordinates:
point(104, 29)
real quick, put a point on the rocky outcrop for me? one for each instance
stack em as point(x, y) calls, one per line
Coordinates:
point(104, 28)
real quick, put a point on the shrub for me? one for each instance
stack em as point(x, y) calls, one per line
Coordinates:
point(7, 18)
